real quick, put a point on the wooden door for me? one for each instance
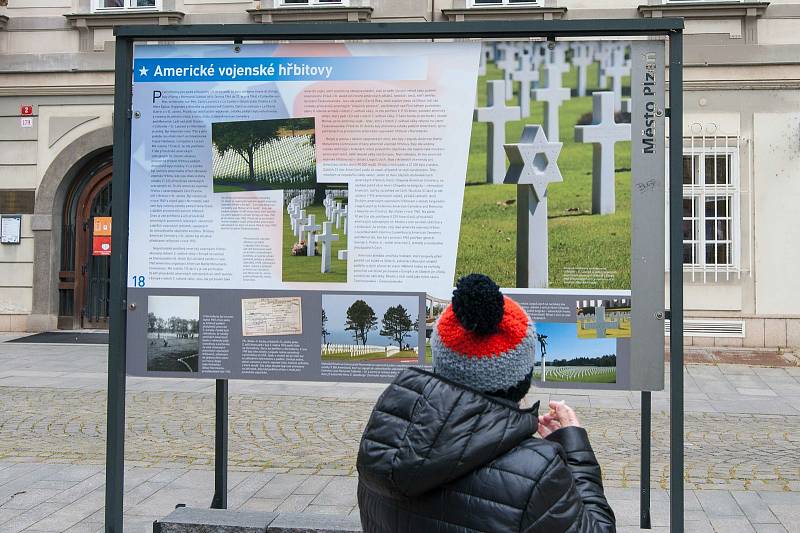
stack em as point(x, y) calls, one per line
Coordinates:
point(92, 272)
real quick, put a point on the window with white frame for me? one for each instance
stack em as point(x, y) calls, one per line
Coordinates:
point(710, 207)
point(289, 3)
point(488, 3)
point(125, 5)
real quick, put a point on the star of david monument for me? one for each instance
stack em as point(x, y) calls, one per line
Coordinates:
point(533, 166)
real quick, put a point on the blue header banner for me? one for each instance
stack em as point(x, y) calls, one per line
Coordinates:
point(211, 69)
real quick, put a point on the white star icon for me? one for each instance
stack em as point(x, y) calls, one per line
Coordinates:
point(143, 71)
point(533, 161)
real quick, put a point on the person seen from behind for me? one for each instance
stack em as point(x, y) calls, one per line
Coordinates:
point(453, 451)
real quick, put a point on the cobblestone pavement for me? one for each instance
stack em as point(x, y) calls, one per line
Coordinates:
point(292, 445)
point(300, 434)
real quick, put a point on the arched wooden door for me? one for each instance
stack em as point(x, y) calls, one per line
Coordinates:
point(93, 272)
point(86, 277)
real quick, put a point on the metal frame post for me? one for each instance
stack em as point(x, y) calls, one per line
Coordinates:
point(220, 500)
point(676, 280)
point(115, 435)
point(644, 484)
point(549, 29)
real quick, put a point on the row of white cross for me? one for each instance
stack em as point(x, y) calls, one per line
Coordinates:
point(533, 162)
point(603, 133)
point(521, 61)
point(284, 160)
point(303, 223)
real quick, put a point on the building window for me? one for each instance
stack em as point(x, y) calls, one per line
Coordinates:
point(488, 3)
point(711, 207)
point(126, 5)
point(290, 3)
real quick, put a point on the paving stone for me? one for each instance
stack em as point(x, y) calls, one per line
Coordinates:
point(291, 523)
point(296, 503)
point(755, 509)
point(341, 491)
point(313, 485)
point(719, 504)
point(739, 525)
point(329, 509)
point(261, 504)
point(281, 486)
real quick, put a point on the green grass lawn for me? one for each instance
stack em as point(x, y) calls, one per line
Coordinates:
point(344, 357)
point(303, 268)
point(561, 375)
point(577, 239)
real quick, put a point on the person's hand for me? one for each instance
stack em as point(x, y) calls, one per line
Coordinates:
point(560, 416)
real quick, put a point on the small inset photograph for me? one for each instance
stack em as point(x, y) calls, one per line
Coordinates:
point(259, 155)
point(562, 357)
point(366, 328)
point(604, 318)
point(173, 333)
point(315, 228)
point(434, 307)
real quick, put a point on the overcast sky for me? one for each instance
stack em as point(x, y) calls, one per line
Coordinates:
point(187, 307)
point(563, 342)
point(336, 305)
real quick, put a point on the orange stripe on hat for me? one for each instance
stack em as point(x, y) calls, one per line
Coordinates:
point(512, 329)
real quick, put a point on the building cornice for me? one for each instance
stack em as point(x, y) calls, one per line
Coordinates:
point(311, 14)
point(86, 23)
point(704, 9)
point(504, 13)
point(741, 85)
point(55, 90)
point(747, 12)
point(109, 20)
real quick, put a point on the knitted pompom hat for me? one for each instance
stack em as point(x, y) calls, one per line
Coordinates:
point(484, 340)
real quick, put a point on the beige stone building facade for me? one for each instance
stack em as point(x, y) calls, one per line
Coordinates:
point(741, 145)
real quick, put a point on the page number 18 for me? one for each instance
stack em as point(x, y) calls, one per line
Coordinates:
point(138, 281)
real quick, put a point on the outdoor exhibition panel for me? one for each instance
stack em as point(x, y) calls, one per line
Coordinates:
point(301, 210)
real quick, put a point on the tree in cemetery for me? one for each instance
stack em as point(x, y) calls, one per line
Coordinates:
point(397, 324)
point(194, 327)
point(152, 320)
point(244, 138)
point(325, 332)
point(361, 319)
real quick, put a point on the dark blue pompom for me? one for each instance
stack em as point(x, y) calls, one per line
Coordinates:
point(478, 303)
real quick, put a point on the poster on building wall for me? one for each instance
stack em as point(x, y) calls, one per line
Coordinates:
point(299, 211)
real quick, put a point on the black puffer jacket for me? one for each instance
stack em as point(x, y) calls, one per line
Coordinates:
point(437, 457)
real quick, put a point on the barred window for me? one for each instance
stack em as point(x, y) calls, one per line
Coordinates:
point(711, 205)
point(125, 5)
point(313, 2)
point(484, 3)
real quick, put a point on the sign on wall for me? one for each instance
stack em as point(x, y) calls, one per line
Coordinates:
point(296, 209)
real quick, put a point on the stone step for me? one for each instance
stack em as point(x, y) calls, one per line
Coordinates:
point(194, 520)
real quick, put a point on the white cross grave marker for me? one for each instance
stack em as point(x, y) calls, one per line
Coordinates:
point(509, 65)
point(600, 325)
point(616, 70)
point(553, 94)
point(558, 59)
point(311, 241)
point(301, 220)
point(533, 164)
point(525, 76)
point(326, 238)
point(496, 114)
point(603, 133)
point(582, 58)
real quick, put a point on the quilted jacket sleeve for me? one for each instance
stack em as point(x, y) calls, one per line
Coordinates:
point(585, 471)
